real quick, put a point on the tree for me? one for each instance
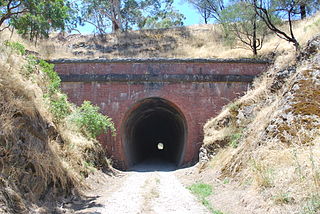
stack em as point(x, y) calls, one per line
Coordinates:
point(240, 22)
point(163, 18)
point(286, 10)
point(102, 14)
point(129, 14)
point(202, 8)
point(33, 18)
point(208, 8)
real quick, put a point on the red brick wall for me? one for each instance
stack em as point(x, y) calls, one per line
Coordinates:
point(198, 101)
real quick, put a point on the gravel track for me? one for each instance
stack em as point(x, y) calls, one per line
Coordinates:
point(158, 192)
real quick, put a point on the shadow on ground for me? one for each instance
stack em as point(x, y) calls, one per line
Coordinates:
point(153, 165)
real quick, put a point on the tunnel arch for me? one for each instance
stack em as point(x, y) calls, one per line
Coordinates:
point(150, 122)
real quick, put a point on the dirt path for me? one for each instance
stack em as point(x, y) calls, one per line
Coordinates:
point(143, 192)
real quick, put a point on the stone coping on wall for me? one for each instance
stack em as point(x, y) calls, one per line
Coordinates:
point(162, 60)
point(171, 78)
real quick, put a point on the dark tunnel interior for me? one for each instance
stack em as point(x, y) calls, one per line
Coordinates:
point(154, 130)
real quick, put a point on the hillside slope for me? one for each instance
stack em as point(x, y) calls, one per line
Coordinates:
point(267, 143)
point(41, 158)
point(198, 41)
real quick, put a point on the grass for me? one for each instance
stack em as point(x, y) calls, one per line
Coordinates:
point(312, 206)
point(202, 191)
point(234, 139)
point(197, 41)
point(283, 198)
point(51, 151)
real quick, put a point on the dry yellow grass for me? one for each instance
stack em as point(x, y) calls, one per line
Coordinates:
point(39, 157)
point(278, 153)
point(198, 41)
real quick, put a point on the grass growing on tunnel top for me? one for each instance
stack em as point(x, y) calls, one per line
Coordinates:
point(202, 191)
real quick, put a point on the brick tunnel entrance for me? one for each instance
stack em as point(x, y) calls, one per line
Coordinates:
point(155, 129)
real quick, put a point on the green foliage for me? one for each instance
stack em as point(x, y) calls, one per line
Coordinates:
point(170, 18)
point(59, 106)
point(30, 67)
point(226, 181)
point(90, 121)
point(16, 46)
point(241, 24)
point(86, 117)
point(34, 18)
point(208, 8)
point(53, 77)
point(58, 102)
point(129, 14)
point(202, 191)
point(234, 139)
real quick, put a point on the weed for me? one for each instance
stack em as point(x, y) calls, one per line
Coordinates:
point(312, 206)
point(29, 68)
point(315, 171)
point(157, 180)
point(202, 191)
point(283, 198)
point(88, 167)
point(59, 106)
point(263, 175)
point(226, 181)
point(298, 167)
point(53, 77)
point(16, 46)
point(234, 139)
point(234, 107)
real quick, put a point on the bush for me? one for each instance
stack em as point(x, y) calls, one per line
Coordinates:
point(59, 106)
point(90, 121)
point(16, 46)
point(54, 79)
point(29, 68)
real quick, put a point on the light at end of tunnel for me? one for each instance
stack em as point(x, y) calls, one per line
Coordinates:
point(160, 146)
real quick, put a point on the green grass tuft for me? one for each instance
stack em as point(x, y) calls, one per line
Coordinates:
point(202, 191)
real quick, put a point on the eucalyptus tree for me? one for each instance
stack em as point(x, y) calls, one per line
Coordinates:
point(34, 18)
point(241, 24)
point(209, 9)
point(286, 10)
point(129, 14)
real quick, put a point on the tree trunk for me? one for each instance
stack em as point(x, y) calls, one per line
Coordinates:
point(205, 16)
point(116, 16)
point(115, 26)
point(303, 11)
point(254, 36)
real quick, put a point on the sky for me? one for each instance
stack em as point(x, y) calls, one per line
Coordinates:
point(191, 14)
point(192, 17)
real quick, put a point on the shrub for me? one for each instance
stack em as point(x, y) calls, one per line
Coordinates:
point(16, 46)
point(54, 79)
point(29, 68)
point(59, 106)
point(90, 121)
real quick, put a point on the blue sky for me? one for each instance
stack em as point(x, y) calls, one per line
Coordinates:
point(192, 17)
